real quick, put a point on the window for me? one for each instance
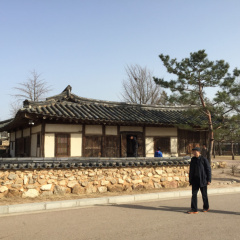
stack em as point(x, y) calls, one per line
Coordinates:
point(62, 145)
point(27, 144)
point(93, 146)
point(187, 140)
point(112, 149)
point(20, 147)
point(163, 143)
point(38, 140)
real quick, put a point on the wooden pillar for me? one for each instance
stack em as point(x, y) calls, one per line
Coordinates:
point(144, 141)
point(103, 152)
point(83, 140)
point(15, 147)
point(30, 154)
point(119, 141)
point(43, 139)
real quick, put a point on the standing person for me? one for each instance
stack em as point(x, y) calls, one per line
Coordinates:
point(204, 151)
point(134, 146)
point(158, 153)
point(199, 177)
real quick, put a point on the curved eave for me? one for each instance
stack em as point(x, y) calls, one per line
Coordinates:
point(66, 119)
point(20, 120)
point(4, 124)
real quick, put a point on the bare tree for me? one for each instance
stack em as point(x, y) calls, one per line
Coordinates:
point(14, 107)
point(140, 87)
point(33, 89)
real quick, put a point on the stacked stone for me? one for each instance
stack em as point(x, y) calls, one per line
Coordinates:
point(215, 165)
point(27, 183)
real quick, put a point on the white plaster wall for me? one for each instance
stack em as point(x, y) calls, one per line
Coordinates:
point(111, 130)
point(34, 145)
point(26, 132)
point(36, 129)
point(167, 155)
point(19, 134)
point(93, 129)
point(12, 136)
point(49, 145)
point(38, 152)
point(161, 132)
point(76, 145)
point(63, 128)
point(174, 144)
point(149, 146)
point(131, 129)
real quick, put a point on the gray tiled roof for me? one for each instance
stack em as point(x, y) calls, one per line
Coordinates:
point(109, 113)
point(5, 123)
point(68, 106)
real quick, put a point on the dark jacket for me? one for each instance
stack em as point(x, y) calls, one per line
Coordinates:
point(204, 170)
point(135, 147)
point(158, 154)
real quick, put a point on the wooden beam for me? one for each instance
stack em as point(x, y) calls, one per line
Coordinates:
point(15, 147)
point(43, 139)
point(103, 152)
point(30, 140)
point(144, 141)
point(119, 141)
point(83, 140)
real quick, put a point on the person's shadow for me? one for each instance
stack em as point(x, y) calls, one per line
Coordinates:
point(169, 209)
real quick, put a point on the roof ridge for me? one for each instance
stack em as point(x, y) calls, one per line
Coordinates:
point(66, 95)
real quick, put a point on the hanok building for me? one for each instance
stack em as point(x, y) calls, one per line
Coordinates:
point(67, 125)
point(4, 143)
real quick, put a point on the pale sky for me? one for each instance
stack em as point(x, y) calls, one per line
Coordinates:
point(88, 43)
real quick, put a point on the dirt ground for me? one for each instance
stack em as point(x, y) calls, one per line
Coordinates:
point(221, 177)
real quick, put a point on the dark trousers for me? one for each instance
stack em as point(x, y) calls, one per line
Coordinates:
point(195, 188)
point(135, 152)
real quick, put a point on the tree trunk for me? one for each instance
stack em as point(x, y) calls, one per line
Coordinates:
point(214, 150)
point(210, 147)
point(219, 148)
point(232, 150)
point(210, 139)
point(210, 125)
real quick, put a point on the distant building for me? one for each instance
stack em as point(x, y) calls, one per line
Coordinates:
point(4, 144)
point(67, 125)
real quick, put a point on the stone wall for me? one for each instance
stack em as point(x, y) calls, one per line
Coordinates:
point(215, 165)
point(33, 183)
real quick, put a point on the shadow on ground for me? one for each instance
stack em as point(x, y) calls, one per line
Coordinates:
point(171, 209)
point(226, 179)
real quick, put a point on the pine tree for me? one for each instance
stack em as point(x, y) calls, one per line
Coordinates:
point(193, 76)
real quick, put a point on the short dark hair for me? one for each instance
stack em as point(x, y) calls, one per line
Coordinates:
point(196, 149)
point(158, 148)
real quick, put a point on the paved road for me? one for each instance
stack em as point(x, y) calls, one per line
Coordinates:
point(163, 219)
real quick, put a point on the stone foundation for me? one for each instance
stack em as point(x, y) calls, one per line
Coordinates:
point(215, 165)
point(33, 183)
